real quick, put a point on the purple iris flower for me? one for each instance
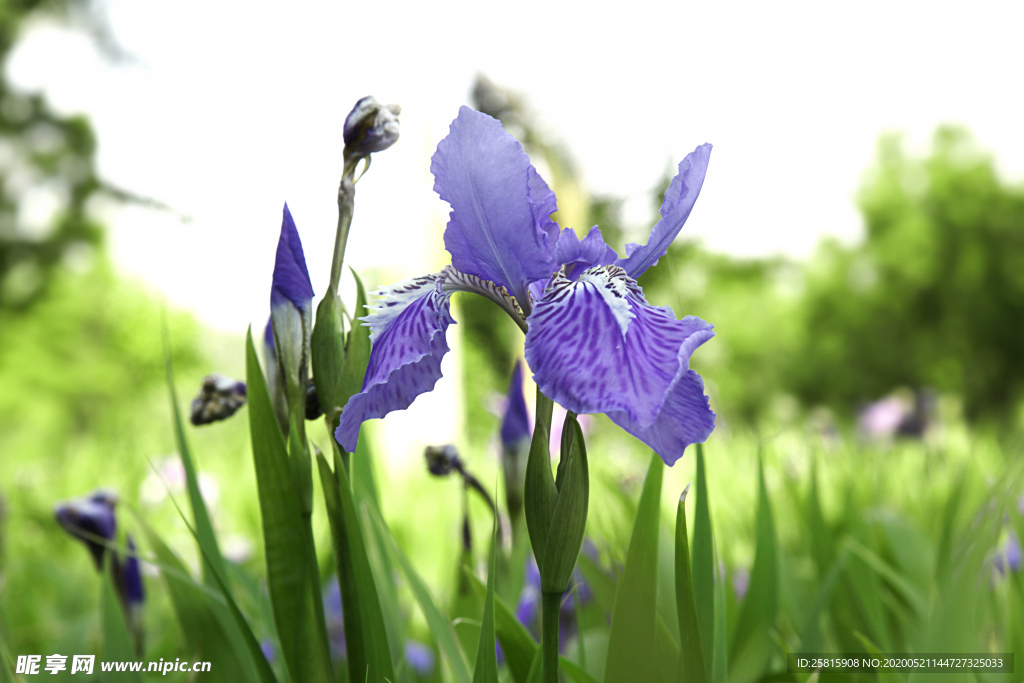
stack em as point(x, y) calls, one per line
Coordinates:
point(594, 343)
point(91, 520)
point(420, 658)
point(516, 423)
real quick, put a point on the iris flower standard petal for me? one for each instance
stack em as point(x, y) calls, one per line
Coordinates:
point(498, 229)
point(408, 336)
point(580, 254)
point(675, 209)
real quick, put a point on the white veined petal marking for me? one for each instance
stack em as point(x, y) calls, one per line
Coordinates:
point(615, 287)
point(394, 299)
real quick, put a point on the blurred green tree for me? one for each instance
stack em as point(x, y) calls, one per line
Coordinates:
point(47, 168)
point(934, 297)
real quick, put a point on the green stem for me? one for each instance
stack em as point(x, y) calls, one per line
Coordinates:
point(346, 204)
point(552, 606)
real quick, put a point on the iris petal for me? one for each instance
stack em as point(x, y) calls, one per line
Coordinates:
point(405, 361)
point(499, 228)
point(675, 209)
point(685, 418)
point(515, 426)
point(581, 254)
point(596, 346)
point(291, 279)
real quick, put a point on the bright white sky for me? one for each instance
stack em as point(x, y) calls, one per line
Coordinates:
point(236, 107)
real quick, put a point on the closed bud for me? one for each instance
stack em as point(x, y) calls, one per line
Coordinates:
point(219, 398)
point(441, 460)
point(370, 127)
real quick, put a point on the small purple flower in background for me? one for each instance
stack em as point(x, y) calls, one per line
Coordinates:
point(335, 618)
point(515, 424)
point(594, 343)
point(529, 606)
point(420, 658)
point(268, 649)
point(90, 520)
point(1010, 557)
point(515, 443)
point(901, 414)
point(219, 398)
point(740, 582)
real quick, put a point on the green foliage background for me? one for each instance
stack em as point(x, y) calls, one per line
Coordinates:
point(844, 542)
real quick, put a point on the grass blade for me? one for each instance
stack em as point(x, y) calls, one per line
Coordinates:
point(285, 531)
point(117, 641)
point(751, 641)
point(486, 668)
point(517, 644)
point(206, 623)
point(704, 565)
point(369, 654)
point(720, 663)
point(440, 628)
point(691, 655)
point(634, 622)
point(204, 528)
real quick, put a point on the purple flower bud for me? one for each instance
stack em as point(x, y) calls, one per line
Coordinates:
point(91, 520)
point(370, 127)
point(515, 427)
point(291, 279)
point(441, 460)
point(131, 577)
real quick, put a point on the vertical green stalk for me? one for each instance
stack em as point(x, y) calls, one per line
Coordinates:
point(551, 606)
point(346, 206)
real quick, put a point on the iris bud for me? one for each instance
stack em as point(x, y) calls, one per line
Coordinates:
point(90, 520)
point(370, 127)
point(441, 460)
point(219, 398)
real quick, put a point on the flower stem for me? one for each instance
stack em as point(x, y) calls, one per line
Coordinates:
point(346, 204)
point(551, 606)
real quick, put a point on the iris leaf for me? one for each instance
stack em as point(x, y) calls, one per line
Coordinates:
point(751, 641)
point(634, 622)
point(486, 668)
point(285, 531)
point(691, 655)
point(117, 641)
point(704, 565)
point(369, 655)
point(206, 624)
point(440, 627)
point(204, 528)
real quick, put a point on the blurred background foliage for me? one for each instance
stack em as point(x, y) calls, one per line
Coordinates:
point(931, 299)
